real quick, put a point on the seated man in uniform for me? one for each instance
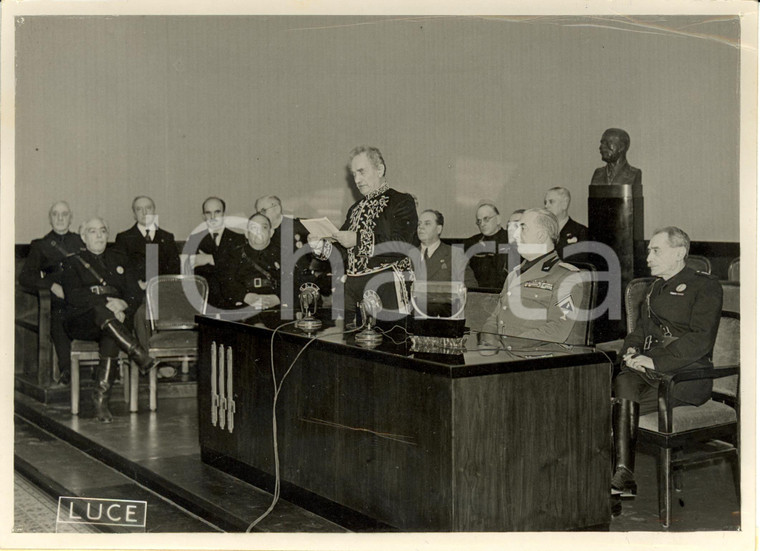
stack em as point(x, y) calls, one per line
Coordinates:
point(540, 298)
point(296, 232)
point(101, 297)
point(255, 278)
point(42, 270)
point(676, 329)
point(438, 261)
point(488, 250)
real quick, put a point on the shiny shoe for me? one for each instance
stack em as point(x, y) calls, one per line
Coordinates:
point(623, 483)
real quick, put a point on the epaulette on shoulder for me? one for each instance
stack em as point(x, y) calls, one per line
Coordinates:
point(568, 266)
point(705, 274)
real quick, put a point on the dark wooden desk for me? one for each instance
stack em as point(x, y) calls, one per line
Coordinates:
point(420, 442)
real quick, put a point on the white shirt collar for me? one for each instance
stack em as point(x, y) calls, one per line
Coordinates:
point(151, 228)
point(431, 249)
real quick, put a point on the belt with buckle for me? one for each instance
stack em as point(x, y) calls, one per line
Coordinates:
point(104, 290)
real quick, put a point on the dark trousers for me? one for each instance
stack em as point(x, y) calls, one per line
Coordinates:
point(355, 287)
point(87, 326)
point(634, 386)
point(61, 341)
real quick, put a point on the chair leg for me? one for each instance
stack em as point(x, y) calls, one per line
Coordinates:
point(134, 385)
point(74, 385)
point(152, 379)
point(677, 473)
point(124, 375)
point(664, 486)
point(735, 470)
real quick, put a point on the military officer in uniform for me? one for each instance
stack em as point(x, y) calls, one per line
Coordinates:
point(301, 258)
point(383, 216)
point(676, 329)
point(42, 270)
point(102, 295)
point(256, 276)
point(613, 147)
point(542, 296)
point(557, 201)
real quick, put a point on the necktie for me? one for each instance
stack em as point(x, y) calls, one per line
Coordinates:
point(147, 237)
point(427, 253)
point(216, 236)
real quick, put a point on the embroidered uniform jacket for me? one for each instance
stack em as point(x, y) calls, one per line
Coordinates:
point(132, 243)
point(572, 232)
point(383, 216)
point(689, 305)
point(489, 257)
point(626, 175)
point(115, 270)
point(44, 265)
point(544, 289)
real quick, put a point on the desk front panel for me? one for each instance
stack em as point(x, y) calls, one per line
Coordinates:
point(419, 449)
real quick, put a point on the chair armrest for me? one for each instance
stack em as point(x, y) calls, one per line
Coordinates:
point(667, 381)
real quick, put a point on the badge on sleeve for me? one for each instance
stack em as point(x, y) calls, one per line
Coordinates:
point(567, 306)
point(572, 240)
point(119, 270)
point(681, 288)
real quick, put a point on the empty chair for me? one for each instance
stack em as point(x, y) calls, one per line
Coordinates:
point(733, 270)
point(172, 303)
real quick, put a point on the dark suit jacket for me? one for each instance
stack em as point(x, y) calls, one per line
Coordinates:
point(489, 257)
point(441, 267)
point(572, 232)
point(226, 258)
point(132, 243)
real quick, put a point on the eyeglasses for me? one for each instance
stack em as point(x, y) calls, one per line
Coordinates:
point(484, 220)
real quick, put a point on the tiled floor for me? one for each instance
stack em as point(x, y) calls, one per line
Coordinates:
point(35, 512)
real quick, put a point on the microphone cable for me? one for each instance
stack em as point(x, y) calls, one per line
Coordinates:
point(277, 387)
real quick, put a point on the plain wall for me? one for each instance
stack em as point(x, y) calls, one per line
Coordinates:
point(464, 109)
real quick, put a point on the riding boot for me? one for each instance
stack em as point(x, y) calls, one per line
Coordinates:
point(106, 372)
point(129, 344)
point(625, 424)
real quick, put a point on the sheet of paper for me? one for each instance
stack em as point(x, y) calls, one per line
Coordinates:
point(320, 227)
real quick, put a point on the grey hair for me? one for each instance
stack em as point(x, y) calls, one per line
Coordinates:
point(547, 221)
point(676, 237)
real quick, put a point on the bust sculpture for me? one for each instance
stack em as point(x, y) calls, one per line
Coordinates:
point(613, 147)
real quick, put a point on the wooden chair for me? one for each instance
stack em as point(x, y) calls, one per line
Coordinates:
point(699, 263)
point(677, 429)
point(172, 303)
point(87, 352)
point(734, 271)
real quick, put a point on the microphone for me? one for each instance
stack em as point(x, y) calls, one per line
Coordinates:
point(308, 298)
point(370, 307)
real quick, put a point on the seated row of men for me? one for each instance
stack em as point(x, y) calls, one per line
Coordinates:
point(97, 291)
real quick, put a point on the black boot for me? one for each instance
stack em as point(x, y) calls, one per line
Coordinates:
point(106, 371)
point(65, 378)
point(129, 344)
point(625, 424)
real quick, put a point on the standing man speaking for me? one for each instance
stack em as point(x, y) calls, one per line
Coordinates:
point(378, 232)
